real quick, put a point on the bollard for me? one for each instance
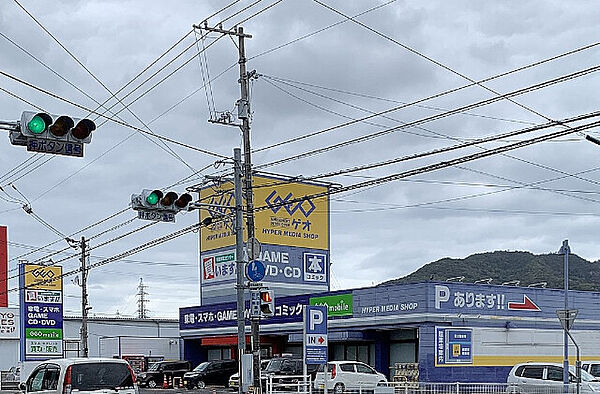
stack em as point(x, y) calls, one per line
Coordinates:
point(165, 385)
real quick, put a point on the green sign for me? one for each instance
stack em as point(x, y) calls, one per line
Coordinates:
point(337, 305)
point(43, 333)
point(224, 258)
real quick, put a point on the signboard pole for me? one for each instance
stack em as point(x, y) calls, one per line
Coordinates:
point(3, 267)
point(239, 262)
point(314, 340)
point(304, 368)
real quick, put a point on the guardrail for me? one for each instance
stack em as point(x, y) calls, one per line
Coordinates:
point(303, 385)
point(7, 381)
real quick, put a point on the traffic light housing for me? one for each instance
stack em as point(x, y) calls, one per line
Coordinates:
point(156, 205)
point(267, 303)
point(56, 127)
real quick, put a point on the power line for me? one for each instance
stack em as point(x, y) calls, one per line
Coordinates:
point(437, 95)
point(119, 256)
point(417, 122)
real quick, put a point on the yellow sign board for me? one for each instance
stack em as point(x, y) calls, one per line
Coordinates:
point(303, 222)
point(43, 277)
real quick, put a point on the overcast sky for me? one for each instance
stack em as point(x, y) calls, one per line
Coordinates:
point(332, 71)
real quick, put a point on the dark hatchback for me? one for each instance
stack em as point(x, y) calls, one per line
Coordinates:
point(157, 372)
point(215, 372)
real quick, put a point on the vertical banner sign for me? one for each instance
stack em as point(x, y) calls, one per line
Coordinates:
point(3, 268)
point(315, 334)
point(453, 346)
point(41, 312)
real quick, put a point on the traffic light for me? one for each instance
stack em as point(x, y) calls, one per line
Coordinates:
point(267, 303)
point(55, 127)
point(155, 205)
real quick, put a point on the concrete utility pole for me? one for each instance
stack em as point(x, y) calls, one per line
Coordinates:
point(84, 300)
point(244, 111)
point(239, 263)
point(244, 115)
point(565, 250)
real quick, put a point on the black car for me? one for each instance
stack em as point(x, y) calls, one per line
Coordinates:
point(210, 372)
point(157, 372)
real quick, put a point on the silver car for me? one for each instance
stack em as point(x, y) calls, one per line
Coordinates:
point(81, 375)
point(547, 378)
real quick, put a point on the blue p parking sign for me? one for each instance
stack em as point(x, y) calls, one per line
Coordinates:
point(315, 334)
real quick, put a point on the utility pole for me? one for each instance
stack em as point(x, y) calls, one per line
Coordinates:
point(243, 105)
point(84, 300)
point(565, 250)
point(244, 115)
point(142, 311)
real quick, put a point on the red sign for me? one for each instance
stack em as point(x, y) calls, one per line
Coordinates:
point(526, 305)
point(3, 267)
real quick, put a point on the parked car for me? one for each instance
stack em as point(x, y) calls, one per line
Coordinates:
point(210, 372)
point(285, 372)
point(592, 367)
point(528, 377)
point(234, 380)
point(348, 375)
point(157, 372)
point(82, 375)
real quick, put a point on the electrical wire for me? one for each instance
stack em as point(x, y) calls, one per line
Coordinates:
point(293, 83)
point(434, 96)
point(417, 122)
point(117, 257)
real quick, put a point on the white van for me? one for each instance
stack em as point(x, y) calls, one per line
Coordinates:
point(82, 375)
point(547, 378)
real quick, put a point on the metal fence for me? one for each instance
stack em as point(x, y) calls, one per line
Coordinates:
point(8, 381)
point(303, 385)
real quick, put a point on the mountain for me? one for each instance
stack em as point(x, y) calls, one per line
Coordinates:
point(503, 266)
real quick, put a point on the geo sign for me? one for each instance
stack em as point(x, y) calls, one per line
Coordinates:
point(41, 312)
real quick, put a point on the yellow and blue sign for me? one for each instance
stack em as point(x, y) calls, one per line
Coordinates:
point(41, 312)
point(291, 224)
point(285, 214)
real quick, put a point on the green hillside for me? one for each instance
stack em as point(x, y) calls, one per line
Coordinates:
point(503, 266)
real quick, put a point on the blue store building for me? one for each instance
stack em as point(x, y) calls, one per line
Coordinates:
point(446, 331)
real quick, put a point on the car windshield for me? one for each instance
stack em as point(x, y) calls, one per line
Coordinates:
point(274, 365)
point(201, 366)
point(585, 376)
point(97, 376)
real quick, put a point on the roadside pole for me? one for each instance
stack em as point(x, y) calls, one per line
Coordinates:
point(239, 263)
point(84, 300)
point(565, 250)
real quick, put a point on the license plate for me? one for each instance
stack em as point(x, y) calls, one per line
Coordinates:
point(321, 386)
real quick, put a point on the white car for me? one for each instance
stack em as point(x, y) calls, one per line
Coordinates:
point(547, 377)
point(348, 375)
point(81, 375)
point(592, 367)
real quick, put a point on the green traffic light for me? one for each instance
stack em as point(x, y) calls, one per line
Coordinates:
point(36, 125)
point(152, 198)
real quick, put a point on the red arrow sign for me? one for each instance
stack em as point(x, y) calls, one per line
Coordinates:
point(321, 340)
point(526, 305)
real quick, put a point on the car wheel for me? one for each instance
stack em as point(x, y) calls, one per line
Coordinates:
point(152, 383)
point(338, 388)
point(200, 384)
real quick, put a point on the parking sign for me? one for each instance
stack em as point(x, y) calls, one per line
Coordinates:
point(315, 334)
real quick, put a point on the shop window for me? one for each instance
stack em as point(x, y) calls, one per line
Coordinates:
point(223, 353)
point(355, 352)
